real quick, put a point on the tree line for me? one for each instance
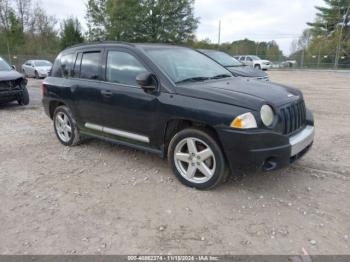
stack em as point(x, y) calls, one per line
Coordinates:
point(26, 28)
point(327, 38)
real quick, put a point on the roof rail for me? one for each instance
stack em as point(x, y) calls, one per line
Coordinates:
point(100, 42)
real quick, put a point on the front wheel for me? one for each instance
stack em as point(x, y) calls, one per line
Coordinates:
point(65, 126)
point(24, 97)
point(196, 159)
point(257, 67)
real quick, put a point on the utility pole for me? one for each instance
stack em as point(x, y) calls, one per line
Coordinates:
point(219, 36)
point(340, 38)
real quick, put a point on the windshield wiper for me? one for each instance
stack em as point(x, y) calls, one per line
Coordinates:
point(221, 76)
point(193, 79)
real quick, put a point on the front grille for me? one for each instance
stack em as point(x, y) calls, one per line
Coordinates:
point(293, 117)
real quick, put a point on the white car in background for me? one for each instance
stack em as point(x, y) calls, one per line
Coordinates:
point(255, 61)
point(36, 68)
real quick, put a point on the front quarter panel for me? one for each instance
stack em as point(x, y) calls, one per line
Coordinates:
point(214, 114)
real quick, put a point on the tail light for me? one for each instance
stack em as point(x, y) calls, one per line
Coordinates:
point(43, 89)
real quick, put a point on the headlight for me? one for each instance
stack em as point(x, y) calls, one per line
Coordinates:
point(267, 115)
point(244, 121)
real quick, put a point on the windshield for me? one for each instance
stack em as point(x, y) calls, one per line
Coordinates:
point(42, 63)
point(4, 66)
point(223, 58)
point(254, 57)
point(183, 64)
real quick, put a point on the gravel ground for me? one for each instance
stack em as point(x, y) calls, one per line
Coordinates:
point(100, 198)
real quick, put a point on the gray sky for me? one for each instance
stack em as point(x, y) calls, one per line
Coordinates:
point(260, 20)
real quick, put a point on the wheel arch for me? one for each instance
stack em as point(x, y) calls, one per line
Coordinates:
point(174, 126)
point(53, 105)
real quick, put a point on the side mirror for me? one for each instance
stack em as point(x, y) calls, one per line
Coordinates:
point(13, 67)
point(147, 81)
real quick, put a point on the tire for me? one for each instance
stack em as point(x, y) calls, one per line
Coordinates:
point(257, 67)
point(24, 98)
point(187, 164)
point(65, 126)
point(36, 75)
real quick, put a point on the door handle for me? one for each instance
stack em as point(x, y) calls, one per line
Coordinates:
point(106, 93)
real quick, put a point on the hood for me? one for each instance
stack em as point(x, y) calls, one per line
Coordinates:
point(244, 92)
point(265, 61)
point(9, 75)
point(246, 71)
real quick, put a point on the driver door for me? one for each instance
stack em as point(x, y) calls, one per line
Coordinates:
point(126, 106)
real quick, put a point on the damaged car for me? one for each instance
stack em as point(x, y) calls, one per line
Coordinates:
point(13, 85)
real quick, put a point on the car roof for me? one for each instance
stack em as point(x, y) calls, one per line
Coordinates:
point(120, 44)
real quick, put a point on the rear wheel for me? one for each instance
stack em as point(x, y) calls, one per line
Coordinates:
point(196, 159)
point(65, 126)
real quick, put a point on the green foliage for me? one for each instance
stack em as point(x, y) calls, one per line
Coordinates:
point(70, 33)
point(164, 21)
point(331, 26)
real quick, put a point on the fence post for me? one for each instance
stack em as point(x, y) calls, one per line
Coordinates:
point(302, 59)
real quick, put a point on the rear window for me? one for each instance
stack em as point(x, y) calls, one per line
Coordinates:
point(90, 65)
point(63, 66)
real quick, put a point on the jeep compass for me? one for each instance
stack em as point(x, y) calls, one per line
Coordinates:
point(178, 103)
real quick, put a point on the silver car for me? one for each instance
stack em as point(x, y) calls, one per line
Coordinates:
point(36, 68)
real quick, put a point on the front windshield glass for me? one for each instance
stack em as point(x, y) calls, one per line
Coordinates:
point(254, 57)
point(183, 64)
point(4, 66)
point(223, 59)
point(42, 63)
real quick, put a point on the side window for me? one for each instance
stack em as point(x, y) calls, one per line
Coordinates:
point(123, 68)
point(242, 58)
point(249, 59)
point(90, 65)
point(76, 69)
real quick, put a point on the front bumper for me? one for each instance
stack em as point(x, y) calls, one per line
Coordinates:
point(10, 95)
point(261, 150)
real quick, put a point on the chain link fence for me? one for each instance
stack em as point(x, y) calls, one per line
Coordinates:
point(308, 61)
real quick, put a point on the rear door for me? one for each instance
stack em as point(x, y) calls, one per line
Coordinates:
point(86, 86)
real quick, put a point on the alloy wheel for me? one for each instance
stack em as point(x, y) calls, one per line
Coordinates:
point(63, 127)
point(195, 160)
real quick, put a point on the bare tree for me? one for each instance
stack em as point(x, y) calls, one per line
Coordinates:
point(23, 8)
point(5, 12)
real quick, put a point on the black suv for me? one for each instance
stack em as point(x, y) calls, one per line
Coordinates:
point(234, 66)
point(177, 103)
point(13, 85)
